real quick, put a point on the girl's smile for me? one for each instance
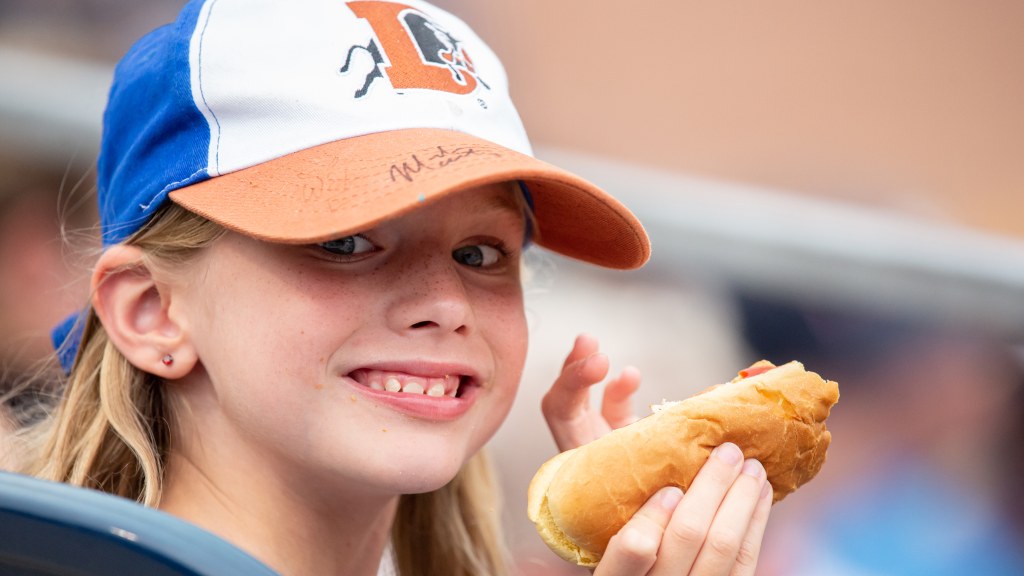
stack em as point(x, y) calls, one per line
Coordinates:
point(443, 385)
point(414, 330)
point(446, 395)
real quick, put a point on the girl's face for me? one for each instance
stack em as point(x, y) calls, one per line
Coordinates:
point(379, 361)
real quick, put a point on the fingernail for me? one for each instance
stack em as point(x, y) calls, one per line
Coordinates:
point(669, 497)
point(729, 453)
point(753, 468)
point(766, 489)
point(589, 358)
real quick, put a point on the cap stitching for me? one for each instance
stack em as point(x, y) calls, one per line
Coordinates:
point(202, 93)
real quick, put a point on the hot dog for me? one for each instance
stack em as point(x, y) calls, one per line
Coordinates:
point(580, 498)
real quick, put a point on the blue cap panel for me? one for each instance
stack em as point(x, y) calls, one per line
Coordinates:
point(154, 138)
point(66, 337)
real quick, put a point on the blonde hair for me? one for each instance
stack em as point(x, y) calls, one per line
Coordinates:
point(455, 530)
point(112, 431)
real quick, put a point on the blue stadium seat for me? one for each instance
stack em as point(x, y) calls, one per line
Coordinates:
point(53, 529)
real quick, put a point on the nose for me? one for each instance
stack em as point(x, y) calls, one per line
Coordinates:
point(430, 297)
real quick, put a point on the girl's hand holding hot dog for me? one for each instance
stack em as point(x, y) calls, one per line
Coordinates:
point(716, 527)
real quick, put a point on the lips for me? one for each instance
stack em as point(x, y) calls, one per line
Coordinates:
point(431, 392)
point(446, 385)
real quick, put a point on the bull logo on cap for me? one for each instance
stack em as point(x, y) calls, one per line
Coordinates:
point(411, 51)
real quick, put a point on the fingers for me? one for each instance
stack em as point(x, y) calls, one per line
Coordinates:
point(711, 523)
point(584, 346)
point(732, 523)
point(716, 529)
point(583, 367)
point(566, 406)
point(617, 406)
point(750, 550)
point(634, 549)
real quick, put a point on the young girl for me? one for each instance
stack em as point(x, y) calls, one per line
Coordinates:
point(308, 319)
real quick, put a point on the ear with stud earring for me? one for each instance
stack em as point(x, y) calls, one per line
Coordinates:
point(167, 360)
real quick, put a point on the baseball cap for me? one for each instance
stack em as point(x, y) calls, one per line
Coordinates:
point(300, 121)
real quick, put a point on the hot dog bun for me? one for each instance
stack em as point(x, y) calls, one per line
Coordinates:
point(582, 497)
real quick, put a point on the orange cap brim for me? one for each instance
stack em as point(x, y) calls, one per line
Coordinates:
point(351, 185)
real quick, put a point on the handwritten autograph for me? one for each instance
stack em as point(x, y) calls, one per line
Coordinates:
point(439, 158)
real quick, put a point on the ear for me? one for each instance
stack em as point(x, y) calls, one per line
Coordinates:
point(134, 310)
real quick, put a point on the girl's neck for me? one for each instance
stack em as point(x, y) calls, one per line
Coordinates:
point(290, 531)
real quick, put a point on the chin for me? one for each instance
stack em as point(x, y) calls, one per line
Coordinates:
point(419, 483)
point(419, 473)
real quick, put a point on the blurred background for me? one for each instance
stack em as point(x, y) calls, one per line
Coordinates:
point(836, 183)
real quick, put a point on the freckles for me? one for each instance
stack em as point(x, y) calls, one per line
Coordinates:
point(508, 308)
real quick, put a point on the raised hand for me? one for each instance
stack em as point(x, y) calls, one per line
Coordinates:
point(566, 406)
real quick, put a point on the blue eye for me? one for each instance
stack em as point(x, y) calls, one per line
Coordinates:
point(348, 246)
point(477, 255)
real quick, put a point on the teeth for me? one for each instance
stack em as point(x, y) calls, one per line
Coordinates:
point(413, 388)
point(435, 387)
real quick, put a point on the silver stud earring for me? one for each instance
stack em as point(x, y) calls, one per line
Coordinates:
point(167, 359)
